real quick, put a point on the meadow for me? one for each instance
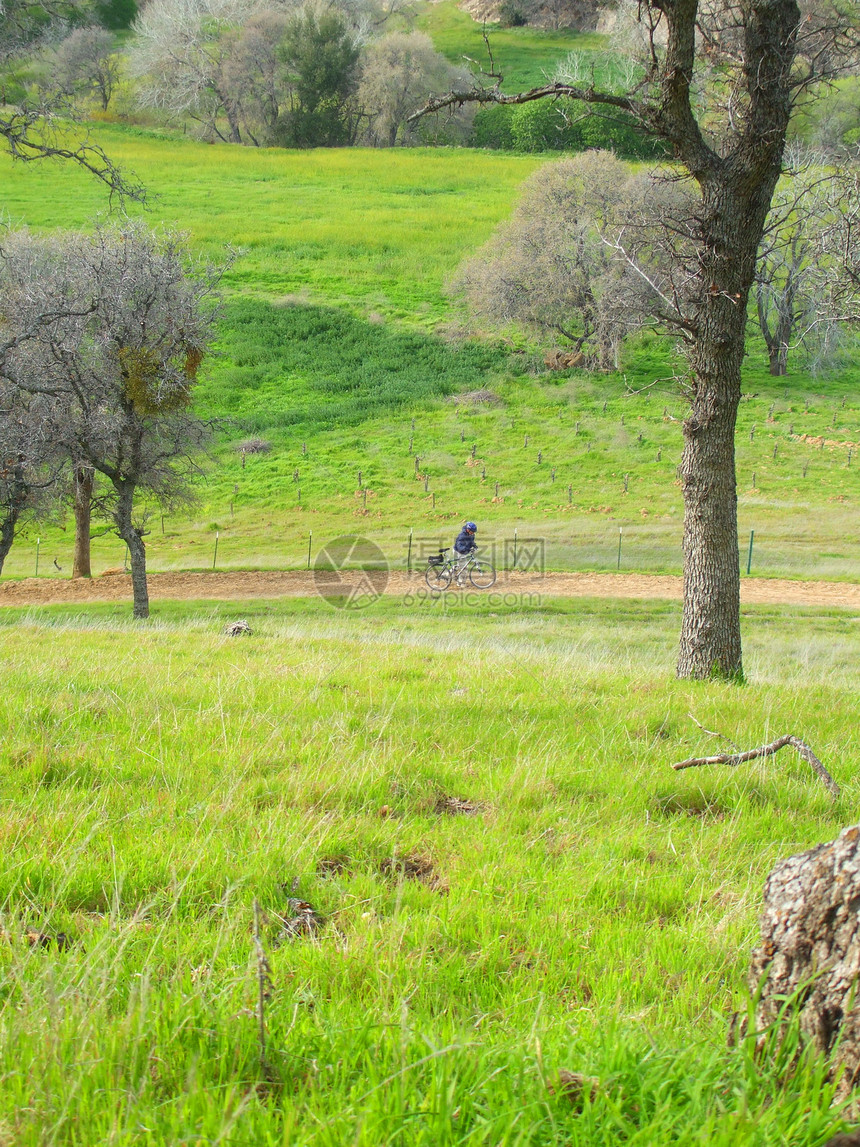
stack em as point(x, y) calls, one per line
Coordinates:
point(341, 348)
point(505, 879)
point(508, 880)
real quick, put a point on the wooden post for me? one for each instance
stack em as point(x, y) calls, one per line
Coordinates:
point(215, 555)
point(310, 539)
point(409, 553)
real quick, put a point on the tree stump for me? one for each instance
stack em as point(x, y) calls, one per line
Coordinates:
point(810, 951)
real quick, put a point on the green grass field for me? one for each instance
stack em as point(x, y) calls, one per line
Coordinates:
point(589, 910)
point(336, 337)
point(476, 799)
point(526, 57)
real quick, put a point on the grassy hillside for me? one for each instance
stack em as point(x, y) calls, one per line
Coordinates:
point(480, 806)
point(336, 338)
point(526, 57)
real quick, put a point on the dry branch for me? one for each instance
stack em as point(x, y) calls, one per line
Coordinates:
point(801, 747)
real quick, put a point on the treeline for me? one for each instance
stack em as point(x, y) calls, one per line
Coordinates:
point(275, 73)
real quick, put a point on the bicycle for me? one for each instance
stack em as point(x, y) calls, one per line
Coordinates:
point(442, 570)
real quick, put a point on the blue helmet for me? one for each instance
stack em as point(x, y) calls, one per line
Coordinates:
point(471, 526)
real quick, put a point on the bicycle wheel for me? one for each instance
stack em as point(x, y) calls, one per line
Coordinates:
point(438, 577)
point(482, 575)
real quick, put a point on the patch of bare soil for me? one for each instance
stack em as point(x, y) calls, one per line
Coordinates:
point(241, 586)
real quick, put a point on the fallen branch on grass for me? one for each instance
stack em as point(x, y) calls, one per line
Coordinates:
point(803, 750)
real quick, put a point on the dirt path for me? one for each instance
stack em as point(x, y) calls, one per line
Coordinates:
point(274, 583)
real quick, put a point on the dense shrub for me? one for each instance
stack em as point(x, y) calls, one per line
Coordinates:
point(546, 126)
point(492, 128)
point(512, 14)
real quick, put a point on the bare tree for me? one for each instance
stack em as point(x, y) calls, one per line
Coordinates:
point(579, 257)
point(717, 84)
point(87, 63)
point(38, 129)
point(398, 74)
point(31, 466)
point(124, 371)
point(254, 72)
point(182, 53)
point(804, 291)
point(31, 461)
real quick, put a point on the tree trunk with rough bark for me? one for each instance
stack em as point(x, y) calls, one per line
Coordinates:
point(84, 478)
point(809, 953)
point(732, 223)
point(136, 549)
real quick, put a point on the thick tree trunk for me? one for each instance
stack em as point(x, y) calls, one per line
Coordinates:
point(136, 548)
point(732, 223)
point(83, 509)
point(808, 963)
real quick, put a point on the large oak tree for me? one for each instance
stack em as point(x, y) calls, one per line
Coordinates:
point(717, 84)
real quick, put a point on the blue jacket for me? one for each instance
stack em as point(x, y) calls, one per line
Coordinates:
point(465, 543)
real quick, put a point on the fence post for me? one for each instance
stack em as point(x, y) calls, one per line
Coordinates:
point(310, 539)
point(215, 555)
point(749, 555)
point(38, 543)
point(515, 548)
point(618, 566)
point(409, 553)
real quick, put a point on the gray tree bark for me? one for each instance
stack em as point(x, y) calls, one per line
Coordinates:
point(732, 222)
point(136, 549)
point(810, 951)
point(83, 512)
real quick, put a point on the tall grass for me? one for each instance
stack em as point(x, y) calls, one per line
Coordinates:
point(593, 913)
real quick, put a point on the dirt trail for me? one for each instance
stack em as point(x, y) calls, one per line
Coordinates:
point(277, 583)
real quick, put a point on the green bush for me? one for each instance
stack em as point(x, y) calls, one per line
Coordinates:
point(511, 15)
point(116, 14)
point(492, 128)
point(550, 126)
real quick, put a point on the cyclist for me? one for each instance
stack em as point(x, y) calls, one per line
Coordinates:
point(464, 546)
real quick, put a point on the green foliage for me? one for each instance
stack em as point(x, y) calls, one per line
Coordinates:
point(492, 127)
point(116, 14)
point(322, 61)
point(321, 368)
point(549, 126)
